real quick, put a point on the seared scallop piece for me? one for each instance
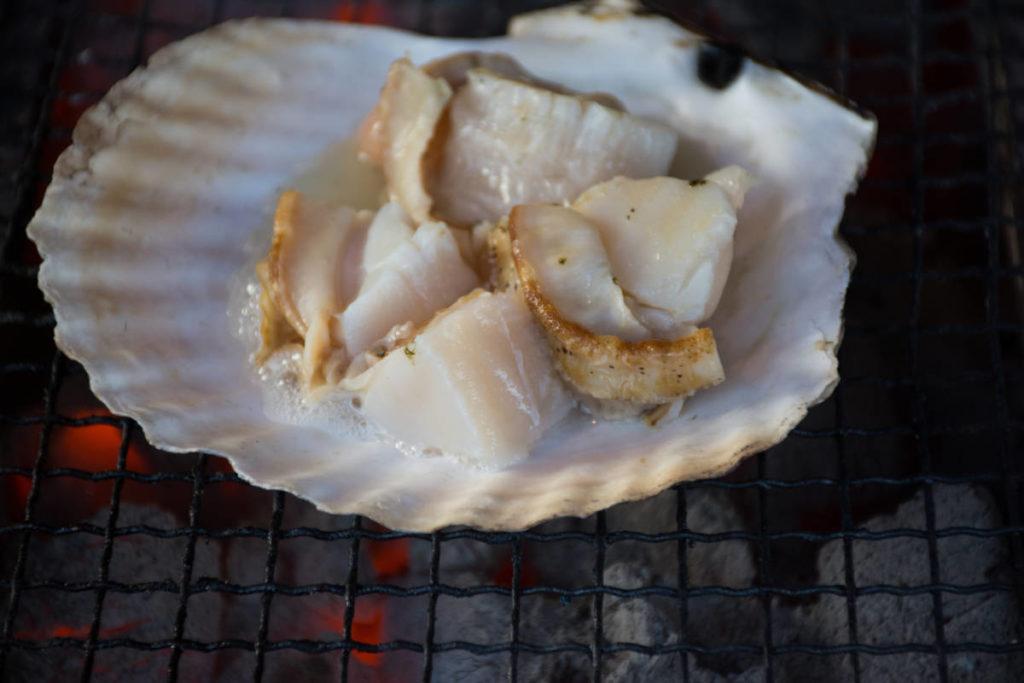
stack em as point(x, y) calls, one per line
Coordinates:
point(494, 254)
point(669, 242)
point(571, 266)
point(275, 330)
point(409, 276)
point(507, 143)
point(389, 229)
point(477, 382)
point(397, 133)
point(599, 346)
point(311, 273)
point(621, 281)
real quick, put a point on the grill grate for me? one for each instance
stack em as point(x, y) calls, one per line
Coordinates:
point(930, 408)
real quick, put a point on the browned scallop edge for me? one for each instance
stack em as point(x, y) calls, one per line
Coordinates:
point(645, 372)
point(284, 222)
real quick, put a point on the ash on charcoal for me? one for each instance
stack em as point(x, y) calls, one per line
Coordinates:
point(568, 562)
point(462, 560)
point(145, 616)
point(482, 620)
point(712, 620)
point(652, 620)
point(643, 621)
point(301, 563)
point(898, 619)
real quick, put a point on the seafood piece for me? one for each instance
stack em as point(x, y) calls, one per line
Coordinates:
point(399, 129)
point(620, 281)
point(477, 383)
point(421, 274)
point(509, 143)
point(585, 315)
point(313, 263)
point(275, 330)
point(390, 228)
point(669, 242)
point(572, 269)
point(311, 273)
point(495, 251)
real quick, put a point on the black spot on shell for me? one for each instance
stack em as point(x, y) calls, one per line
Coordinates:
point(698, 183)
point(718, 64)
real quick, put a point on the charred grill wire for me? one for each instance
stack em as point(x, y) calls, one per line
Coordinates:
point(884, 537)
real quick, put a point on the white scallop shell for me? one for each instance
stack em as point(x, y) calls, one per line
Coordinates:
point(177, 170)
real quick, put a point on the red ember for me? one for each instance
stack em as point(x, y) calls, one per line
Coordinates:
point(367, 624)
point(389, 558)
point(65, 631)
point(364, 13)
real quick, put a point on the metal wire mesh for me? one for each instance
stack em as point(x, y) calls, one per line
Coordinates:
point(930, 399)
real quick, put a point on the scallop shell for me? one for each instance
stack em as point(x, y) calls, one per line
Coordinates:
point(172, 179)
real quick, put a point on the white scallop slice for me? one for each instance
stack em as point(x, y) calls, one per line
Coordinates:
point(573, 271)
point(160, 208)
point(314, 262)
point(669, 242)
point(476, 383)
point(313, 271)
point(419, 276)
point(614, 363)
point(510, 143)
point(397, 132)
point(390, 228)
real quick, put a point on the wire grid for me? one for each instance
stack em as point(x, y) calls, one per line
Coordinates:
point(929, 316)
